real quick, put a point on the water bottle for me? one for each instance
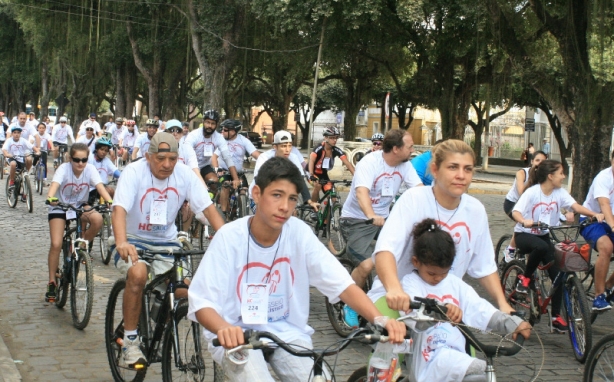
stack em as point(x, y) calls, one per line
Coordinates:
point(382, 364)
point(252, 206)
point(155, 307)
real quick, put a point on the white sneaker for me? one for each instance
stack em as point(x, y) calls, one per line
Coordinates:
point(133, 356)
point(510, 254)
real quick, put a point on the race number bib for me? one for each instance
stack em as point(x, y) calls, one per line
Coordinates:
point(208, 150)
point(157, 215)
point(255, 303)
point(70, 214)
point(326, 164)
point(387, 189)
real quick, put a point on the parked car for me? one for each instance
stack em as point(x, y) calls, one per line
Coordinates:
point(254, 137)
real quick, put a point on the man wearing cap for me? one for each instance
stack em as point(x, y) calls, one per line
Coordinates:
point(59, 136)
point(546, 148)
point(27, 130)
point(141, 145)
point(91, 122)
point(282, 147)
point(148, 196)
point(14, 149)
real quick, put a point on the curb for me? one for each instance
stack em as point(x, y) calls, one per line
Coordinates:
point(8, 370)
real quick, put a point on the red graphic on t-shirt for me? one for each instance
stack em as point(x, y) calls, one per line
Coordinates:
point(75, 189)
point(158, 192)
point(455, 230)
point(385, 174)
point(272, 274)
point(101, 170)
point(548, 207)
point(446, 298)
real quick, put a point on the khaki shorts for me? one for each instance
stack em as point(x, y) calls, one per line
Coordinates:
point(161, 263)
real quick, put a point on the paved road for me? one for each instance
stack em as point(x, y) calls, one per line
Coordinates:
point(46, 347)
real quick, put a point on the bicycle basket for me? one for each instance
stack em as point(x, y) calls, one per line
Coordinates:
point(570, 258)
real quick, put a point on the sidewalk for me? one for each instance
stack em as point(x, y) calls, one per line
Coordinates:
point(8, 370)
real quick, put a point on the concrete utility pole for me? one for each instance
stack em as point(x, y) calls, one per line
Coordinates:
point(315, 87)
point(486, 147)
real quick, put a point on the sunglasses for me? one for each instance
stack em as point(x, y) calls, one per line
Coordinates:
point(79, 160)
point(119, 123)
point(89, 129)
point(62, 122)
point(377, 143)
point(175, 130)
point(226, 130)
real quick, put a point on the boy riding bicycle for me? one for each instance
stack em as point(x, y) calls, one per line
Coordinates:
point(257, 274)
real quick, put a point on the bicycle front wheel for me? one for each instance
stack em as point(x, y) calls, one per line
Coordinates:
point(600, 361)
point(335, 311)
point(82, 290)
point(182, 354)
point(2, 166)
point(243, 207)
point(522, 303)
point(105, 232)
point(27, 189)
point(359, 375)
point(500, 249)
point(40, 175)
point(61, 279)
point(578, 318)
point(11, 196)
point(114, 336)
point(336, 241)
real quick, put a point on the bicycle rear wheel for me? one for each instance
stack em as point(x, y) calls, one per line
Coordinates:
point(578, 318)
point(2, 163)
point(82, 290)
point(105, 232)
point(40, 176)
point(600, 361)
point(27, 189)
point(206, 233)
point(500, 249)
point(335, 311)
point(11, 197)
point(63, 280)
point(243, 206)
point(114, 334)
point(522, 303)
point(336, 241)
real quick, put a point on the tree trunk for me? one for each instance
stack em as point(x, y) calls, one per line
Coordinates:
point(130, 89)
point(45, 88)
point(120, 92)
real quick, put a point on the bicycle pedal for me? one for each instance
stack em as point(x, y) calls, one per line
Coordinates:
point(50, 299)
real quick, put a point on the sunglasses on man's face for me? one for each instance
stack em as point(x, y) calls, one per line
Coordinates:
point(377, 143)
point(89, 129)
point(79, 160)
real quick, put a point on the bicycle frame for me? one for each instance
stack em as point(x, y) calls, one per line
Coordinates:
point(330, 196)
point(543, 295)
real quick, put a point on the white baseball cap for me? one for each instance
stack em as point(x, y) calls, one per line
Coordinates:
point(282, 136)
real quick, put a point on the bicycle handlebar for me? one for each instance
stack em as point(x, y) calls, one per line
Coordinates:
point(82, 209)
point(177, 253)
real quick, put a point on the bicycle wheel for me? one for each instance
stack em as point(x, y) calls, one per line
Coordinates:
point(206, 233)
point(500, 249)
point(114, 334)
point(62, 280)
point(336, 241)
point(335, 311)
point(2, 166)
point(27, 189)
point(359, 375)
point(82, 290)
point(11, 199)
point(600, 361)
point(105, 232)
point(578, 318)
point(182, 356)
point(522, 303)
point(40, 176)
point(243, 206)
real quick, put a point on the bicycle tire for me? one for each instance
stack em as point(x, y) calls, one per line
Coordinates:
point(105, 233)
point(243, 207)
point(82, 290)
point(522, 303)
point(335, 311)
point(359, 375)
point(600, 361)
point(336, 241)
point(11, 199)
point(578, 318)
point(113, 327)
point(2, 163)
point(192, 367)
point(27, 189)
point(500, 252)
point(62, 281)
point(207, 232)
point(40, 175)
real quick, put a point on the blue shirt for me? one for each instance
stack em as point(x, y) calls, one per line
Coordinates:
point(421, 163)
point(546, 148)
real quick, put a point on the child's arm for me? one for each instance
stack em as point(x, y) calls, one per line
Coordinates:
point(504, 323)
point(455, 314)
point(228, 335)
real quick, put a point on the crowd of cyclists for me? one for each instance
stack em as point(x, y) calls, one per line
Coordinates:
point(258, 269)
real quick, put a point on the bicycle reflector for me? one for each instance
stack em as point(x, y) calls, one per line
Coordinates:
point(327, 187)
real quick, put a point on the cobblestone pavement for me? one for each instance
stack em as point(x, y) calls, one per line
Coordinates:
point(46, 347)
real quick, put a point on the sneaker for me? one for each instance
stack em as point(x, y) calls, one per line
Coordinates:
point(11, 183)
point(600, 303)
point(350, 317)
point(50, 295)
point(509, 254)
point(23, 198)
point(523, 284)
point(559, 325)
point(133, 356)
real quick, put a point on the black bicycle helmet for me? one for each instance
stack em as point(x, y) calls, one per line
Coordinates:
point(331, 131)
point(231, 124)
point(211, 114)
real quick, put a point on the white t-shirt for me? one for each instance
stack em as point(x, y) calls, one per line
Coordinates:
point(265, 157)
point(298, 154)
point(2, 135)
point(137, 188)
point(116, 133)
point(533, 204)
point(187, 156)
point(142, 143)
point(467, 224)
point(109, 125)
point(291, 266)
point(105, 168)
point(90, 142)
point(602, 187)
point(22, 147)
point(372, 172)
point(60, 134)
point(205, 147)
point(512, 194)
point(128, 138)
point(440, 342)
point(45, 141)
point(74, 190)
point(49, 129)
point(238, 147)
point(89, 123)
point(26, 131)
